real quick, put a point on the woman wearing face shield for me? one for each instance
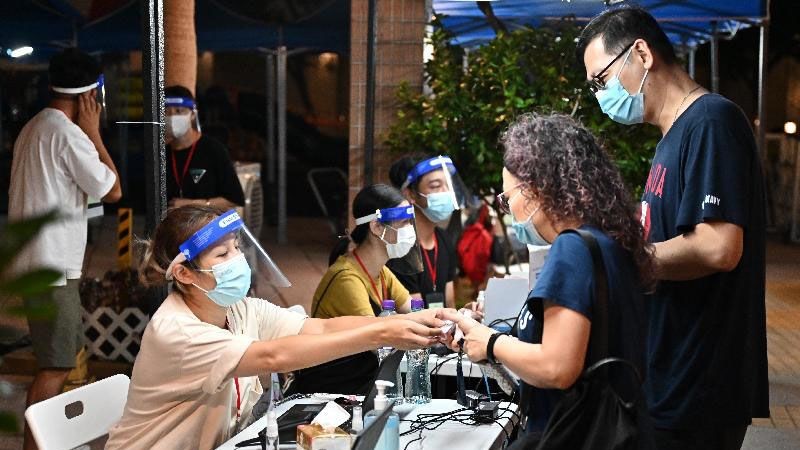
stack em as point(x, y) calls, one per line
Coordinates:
point(195, 380)
point(357, 281)
point(556, 178)
point(426, 184)
point(199, 168)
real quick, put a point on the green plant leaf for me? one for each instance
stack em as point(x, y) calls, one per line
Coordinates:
point(30, 283)
point(8, 423)
point(17, 235)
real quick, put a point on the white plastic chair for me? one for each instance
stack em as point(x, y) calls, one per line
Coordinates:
point(79, 416)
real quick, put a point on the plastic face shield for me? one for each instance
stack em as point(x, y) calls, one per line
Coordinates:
point(452, 182)
point(184, 102)
point(231, 226)
point(100, 85)
point(393, 220)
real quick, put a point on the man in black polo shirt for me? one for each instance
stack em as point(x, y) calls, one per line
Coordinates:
point(199, 170)
point(703, 209)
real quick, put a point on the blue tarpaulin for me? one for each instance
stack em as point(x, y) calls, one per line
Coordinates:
point(48, 25)
point(687, 22)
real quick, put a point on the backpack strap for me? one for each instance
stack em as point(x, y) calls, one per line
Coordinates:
point(325, 291)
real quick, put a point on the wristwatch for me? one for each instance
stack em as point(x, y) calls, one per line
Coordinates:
point(490, 347)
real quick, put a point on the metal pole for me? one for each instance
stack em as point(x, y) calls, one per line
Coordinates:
point(153, 97)
point(369, 107)
point(692, 63)
point(714, 58)
point(281, 97)
point(270, 95)
point(762, 89)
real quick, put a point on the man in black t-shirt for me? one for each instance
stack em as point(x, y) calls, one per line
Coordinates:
point(199, 169)
point(425, 185)
point(703, 209)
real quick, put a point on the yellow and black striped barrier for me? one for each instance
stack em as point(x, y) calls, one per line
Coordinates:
point(124, 233)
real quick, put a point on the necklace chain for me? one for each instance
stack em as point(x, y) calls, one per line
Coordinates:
point(684, 101)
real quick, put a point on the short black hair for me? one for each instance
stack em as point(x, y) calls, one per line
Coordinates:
point(178, 91)
point(73, 68)
point(621, 26)
point(398, 172)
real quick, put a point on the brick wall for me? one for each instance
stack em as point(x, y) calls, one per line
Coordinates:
point(401, 30)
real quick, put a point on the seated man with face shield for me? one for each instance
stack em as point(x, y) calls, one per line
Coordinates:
point(199, 169)
point(195, 380)
point(433, 187)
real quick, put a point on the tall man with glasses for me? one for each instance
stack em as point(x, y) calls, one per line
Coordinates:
point(703, 210)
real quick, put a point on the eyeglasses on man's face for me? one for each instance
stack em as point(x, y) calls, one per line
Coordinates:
point(597, 83)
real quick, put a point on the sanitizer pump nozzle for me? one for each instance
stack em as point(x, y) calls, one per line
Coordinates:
point(380, 399)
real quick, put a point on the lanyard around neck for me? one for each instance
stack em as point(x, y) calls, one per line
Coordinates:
point(369, 277)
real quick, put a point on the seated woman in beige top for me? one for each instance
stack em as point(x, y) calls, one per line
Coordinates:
point(195, 379)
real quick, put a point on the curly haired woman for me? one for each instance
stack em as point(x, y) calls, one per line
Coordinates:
point(557, 177)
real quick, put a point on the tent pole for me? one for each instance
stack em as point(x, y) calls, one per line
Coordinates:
point(714, 58)
point(155, 157)
point(369, 112)
point(270, 106)
point(281, 97)
point(762, 88)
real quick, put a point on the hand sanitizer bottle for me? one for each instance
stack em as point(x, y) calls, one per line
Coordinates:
point(272, 430)
point(390, 438)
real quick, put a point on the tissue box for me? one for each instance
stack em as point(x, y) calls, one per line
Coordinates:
point(313, 437)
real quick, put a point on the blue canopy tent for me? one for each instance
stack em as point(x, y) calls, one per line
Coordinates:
point(116, 25)
point(49, 25)
point(688, 23)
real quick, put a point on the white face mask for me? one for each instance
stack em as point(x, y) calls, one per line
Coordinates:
point(406, 238)
point(178, 125)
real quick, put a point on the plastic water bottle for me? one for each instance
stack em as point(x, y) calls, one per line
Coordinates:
point(418, 380)
point(395, 391)
point(390, 437)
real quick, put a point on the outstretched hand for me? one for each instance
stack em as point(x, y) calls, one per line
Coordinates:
point(406, 334)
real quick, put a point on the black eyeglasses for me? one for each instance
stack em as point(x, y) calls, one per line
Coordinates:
point(597, 83)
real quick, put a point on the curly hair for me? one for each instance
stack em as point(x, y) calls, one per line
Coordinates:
point(574, 178)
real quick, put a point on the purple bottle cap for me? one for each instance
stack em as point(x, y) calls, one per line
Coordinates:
point(417, 303)
point(387, 304)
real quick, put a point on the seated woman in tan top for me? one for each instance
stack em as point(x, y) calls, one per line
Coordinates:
point(195, 379)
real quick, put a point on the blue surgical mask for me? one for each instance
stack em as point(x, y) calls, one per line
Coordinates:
point(526, 231)
point(618, 104)
point(233, 281)
point(440, 206)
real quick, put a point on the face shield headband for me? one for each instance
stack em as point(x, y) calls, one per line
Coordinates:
point(388, 215)
point(100, 85)
point(222, 226)
point(427, 166)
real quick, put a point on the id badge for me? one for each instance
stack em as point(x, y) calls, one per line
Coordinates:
point(435, 300)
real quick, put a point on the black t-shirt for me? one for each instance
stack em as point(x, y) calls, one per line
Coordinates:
point(210, 173)
point(446, 263)
point(567, 280)
point(707, 355)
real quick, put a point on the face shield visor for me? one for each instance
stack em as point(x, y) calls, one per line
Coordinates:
point(218, 232)
point(99, 85)
point(445, 192)
point(177, 125)
point(400, 236)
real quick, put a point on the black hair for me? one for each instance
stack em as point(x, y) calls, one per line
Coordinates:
point(73, 68)
point(367, 201)
point(178, 91)
point(398, 172)
point(621, 26)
